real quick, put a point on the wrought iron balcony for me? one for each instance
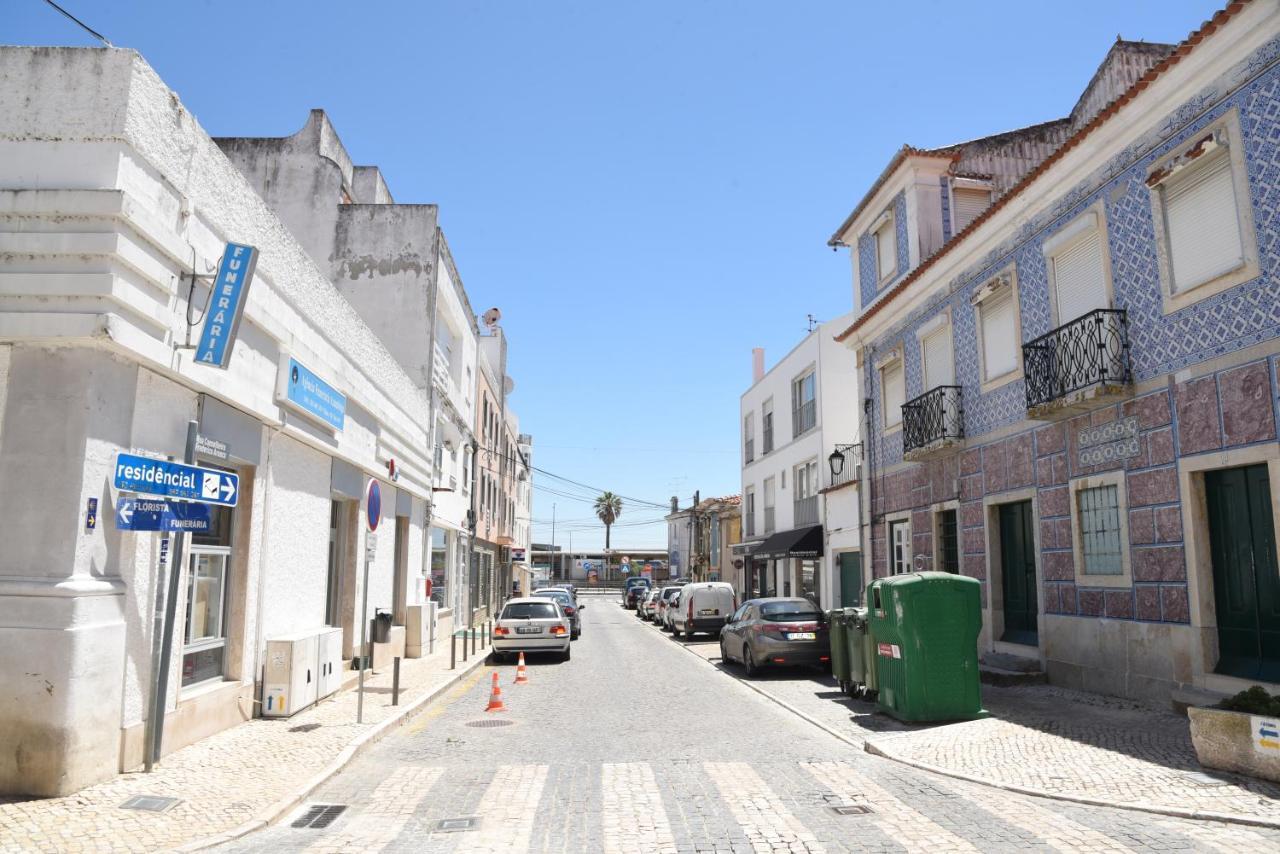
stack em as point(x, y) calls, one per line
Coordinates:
point(845, 464)
point(933, 420)
point(750, 450)
point(806, 511)
point(1078, 360)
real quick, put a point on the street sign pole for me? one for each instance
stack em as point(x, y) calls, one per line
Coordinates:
point(160, 687)
point(373, 514)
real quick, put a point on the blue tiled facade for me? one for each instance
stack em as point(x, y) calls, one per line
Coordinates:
point(1233, 403)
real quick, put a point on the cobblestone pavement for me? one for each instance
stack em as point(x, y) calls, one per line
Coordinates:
point(1038, 737)
point(636, 746)
point(221, 782)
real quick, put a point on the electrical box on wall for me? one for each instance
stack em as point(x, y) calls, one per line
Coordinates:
point(289, 679)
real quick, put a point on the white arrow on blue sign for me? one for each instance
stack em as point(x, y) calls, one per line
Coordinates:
point(159, 514)
point(176, 480)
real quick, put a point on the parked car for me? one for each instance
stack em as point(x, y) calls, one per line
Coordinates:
point(570, 606)
point(531, 624)
point(670, 610)
point(646, 607)
point(634, 589)
point(660, 604)
point(776, 632)
point(705, 606)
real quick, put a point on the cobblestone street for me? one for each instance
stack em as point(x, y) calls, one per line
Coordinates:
point(635, 745)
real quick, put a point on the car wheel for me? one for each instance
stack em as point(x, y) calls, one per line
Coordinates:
point(749, 661)
point(688, 634)
point(564, 656)
point(724, 653)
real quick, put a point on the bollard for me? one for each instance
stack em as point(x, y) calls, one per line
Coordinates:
point(395, 681)
point(472, 631)
point(484, 635)
point(464, 647)
point(453, 651)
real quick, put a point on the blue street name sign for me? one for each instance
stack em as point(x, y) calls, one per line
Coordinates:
point(159, 514)
point(226, 305)
point(176, 480)
point(307, 393)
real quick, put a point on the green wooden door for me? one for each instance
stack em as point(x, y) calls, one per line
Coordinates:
point(1018, 572)
point(1245, 584)
point(850, 579)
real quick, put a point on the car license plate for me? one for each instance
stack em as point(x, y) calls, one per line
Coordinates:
point(528, 630)
point(802, 636)
point(709, 611)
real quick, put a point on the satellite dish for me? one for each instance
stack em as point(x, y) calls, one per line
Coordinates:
point(491, 317)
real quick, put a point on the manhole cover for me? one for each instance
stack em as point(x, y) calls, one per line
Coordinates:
point(452, 825)
point(304, 728)
point(150, 803)
point(486, 723)
point(319, 815)
point(852, 809)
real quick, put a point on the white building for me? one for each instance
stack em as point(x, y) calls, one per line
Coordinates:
point(800, 529)
point(111, 198)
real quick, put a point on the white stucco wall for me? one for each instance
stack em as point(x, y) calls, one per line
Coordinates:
point(297, 549)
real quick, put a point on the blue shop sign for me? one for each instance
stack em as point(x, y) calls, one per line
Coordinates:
point(175, 480)
point(310, 395)
point(226, 305)
point(159, 514)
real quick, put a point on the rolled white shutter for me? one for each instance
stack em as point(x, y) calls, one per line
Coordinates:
point(999, 338)
point(886, 261)
point(1078, 279)
point(894, 393)
point(1203, 226)
point(968, 204)
point(938, 363)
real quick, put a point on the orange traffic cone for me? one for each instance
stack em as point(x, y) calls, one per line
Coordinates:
point(495, 698)
point(522, 678)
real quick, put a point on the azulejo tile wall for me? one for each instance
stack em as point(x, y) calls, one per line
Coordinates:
point(868, 285)
point(1233, 407)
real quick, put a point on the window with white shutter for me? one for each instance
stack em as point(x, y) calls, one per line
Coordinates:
point(893, 392)
point(1079, 277)
point(1202, 224)
point(999, 335)
point(886, 251)
point(967, 203)
point(939, 368)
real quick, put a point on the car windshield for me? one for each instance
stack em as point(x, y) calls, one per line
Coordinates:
point(796, 610)
point(529, 610)
point(562, 598)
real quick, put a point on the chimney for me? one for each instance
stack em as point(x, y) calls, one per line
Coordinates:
point(757, 364)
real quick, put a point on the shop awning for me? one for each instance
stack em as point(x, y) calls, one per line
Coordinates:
point(745, 548)
point(798, 542)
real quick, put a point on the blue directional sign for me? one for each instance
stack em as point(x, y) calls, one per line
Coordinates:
point(307, 393)
point(176, 480)
point(226, 305)
point(160, 514)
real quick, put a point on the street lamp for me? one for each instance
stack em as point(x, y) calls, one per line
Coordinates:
point(836, 460)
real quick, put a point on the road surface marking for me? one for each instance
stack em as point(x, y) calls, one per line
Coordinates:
point(633, 815)
point(390, 806)
point(762, 815)
point(506, 811)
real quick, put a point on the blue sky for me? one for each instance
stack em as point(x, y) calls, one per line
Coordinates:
point(644, 189)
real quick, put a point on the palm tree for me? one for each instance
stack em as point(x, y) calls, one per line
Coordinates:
point(608, 508)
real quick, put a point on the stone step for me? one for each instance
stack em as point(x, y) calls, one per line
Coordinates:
point(1187, 696)
point(999, 668)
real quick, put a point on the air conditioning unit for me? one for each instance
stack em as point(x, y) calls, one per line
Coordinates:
point(329, 658)
point(289, 679)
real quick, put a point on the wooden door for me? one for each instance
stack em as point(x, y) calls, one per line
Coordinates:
point(1018, 573)
point(1245, 584)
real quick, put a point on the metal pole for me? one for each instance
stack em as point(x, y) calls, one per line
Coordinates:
point(364, 637)
point(558, 572)
point(395, 682)
point(464, 646)
point(453, 650)
point(160, 692)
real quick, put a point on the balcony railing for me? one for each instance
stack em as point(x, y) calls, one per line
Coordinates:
point(750, 450)
point(806, 511)
point(1090, 351)
point(849, 463)
point(934, 418)
point(749, 524)
point(768, 437)
point(768, 519)
point(804, 417)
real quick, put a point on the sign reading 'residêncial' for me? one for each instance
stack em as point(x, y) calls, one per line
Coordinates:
point(226, 305)
point(175, 480)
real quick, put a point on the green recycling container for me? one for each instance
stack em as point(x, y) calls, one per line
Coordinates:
point(859, 653)
point(924, 628)
point(837, 626)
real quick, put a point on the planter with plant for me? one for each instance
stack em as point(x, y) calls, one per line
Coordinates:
point(1241, 733)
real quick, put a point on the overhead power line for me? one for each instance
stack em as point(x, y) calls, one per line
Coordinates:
point(81, 24)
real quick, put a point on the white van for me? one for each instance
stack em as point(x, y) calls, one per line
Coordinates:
point(704, 606)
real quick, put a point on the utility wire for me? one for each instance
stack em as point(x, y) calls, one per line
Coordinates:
point(97, 35)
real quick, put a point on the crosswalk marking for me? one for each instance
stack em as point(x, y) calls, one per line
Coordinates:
point(391, 804)
point(762, 815)
point(633, 815)
point(901, 822)
point(506, 810)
